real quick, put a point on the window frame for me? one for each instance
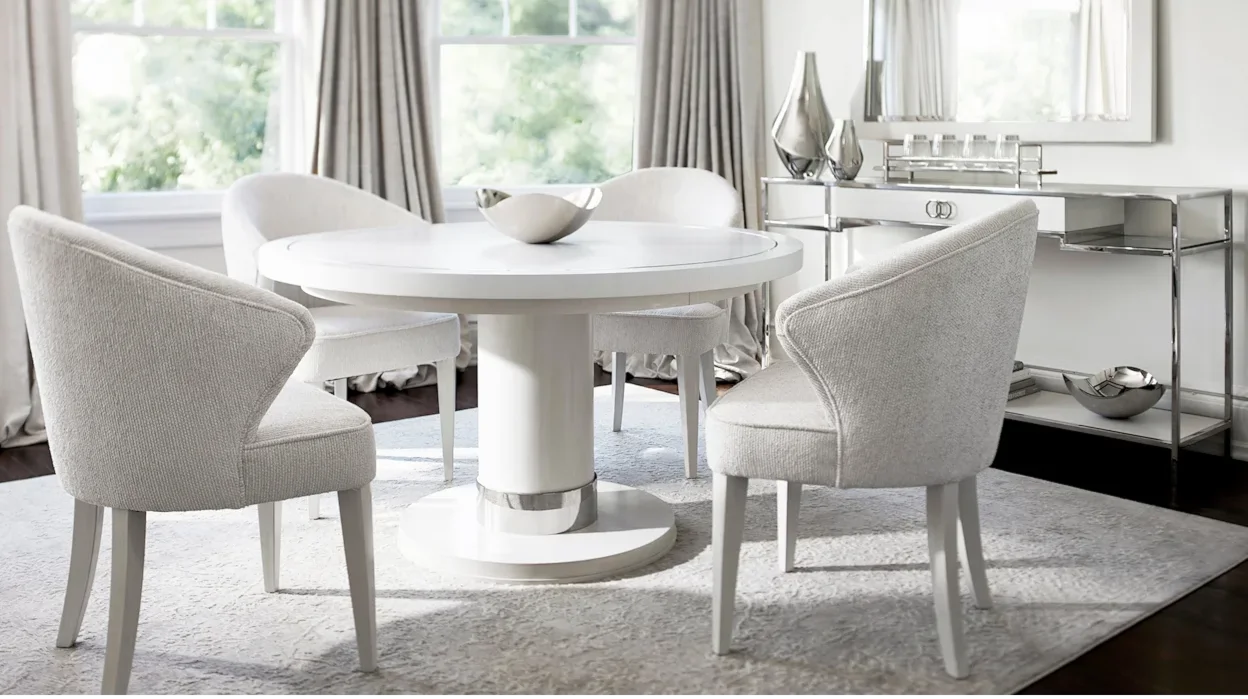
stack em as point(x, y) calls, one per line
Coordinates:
point(459, 197)
point(121, 208)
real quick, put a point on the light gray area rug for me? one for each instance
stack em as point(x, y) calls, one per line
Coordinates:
point(1068, 569)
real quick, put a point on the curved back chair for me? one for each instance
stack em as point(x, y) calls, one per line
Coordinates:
point(350, 340)
point(684, 196)
point(898, 378)
point(115, 330)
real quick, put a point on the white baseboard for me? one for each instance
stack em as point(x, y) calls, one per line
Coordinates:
point(1195, 403)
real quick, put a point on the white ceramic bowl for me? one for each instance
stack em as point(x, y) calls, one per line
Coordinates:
point(538, 218)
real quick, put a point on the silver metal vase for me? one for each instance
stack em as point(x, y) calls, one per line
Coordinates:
point(803, 126)
point(843, 150)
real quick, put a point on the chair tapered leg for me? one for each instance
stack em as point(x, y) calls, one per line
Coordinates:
point(707, 373)
point(355, 509)
point(129, 546)
point(446, 409)
point(687, 370)
point(619, 362)
point(341, 390)
point(972, 545)
point(84, 551)
point(788, 501)
point(727, 529)
point(942, 544)
point(271, 543)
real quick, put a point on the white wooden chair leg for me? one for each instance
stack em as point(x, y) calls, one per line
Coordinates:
point(971, 543)
point(129, 546)
point(619, 362)
point(707, 374)
point(341, 390)
point(355, 510)
point(788, 501)
point(942, 544)
point(687, 369)
point(446, 409)
point(84, 551)
point(271, 543)
point(727, 529)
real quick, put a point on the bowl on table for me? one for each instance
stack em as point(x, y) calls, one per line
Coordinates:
point(1119, 393)
point(537, 218)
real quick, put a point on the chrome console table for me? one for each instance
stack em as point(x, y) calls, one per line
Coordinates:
point(1084, 218)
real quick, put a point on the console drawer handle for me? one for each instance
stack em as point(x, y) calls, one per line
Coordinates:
point(940, 209)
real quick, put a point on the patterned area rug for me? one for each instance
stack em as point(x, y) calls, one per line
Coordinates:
point(1068, 569)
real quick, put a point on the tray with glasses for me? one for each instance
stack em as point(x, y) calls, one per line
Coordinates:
point(973, 153)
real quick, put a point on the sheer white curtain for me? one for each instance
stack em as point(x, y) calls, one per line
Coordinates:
point(1104, 36)
point(39, 167)
point(917, 42)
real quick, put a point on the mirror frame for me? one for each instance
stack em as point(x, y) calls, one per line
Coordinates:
point(1140, 128)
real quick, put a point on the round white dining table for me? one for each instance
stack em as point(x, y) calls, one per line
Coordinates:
point(537, 512)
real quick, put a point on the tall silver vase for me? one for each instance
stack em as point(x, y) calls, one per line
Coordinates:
point(843, 150)
point(803, 126)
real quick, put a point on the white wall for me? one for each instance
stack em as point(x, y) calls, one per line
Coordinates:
point(1085, 311)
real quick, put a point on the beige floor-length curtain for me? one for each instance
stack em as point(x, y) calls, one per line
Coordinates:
point(700, 104)
point(38, 167)
point(374, 126)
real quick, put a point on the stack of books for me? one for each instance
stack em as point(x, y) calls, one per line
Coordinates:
point(1022, 383)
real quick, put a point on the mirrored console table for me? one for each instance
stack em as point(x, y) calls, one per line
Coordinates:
point(1083, 218)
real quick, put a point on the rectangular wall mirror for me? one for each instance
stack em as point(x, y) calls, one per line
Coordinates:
point(1047, 70)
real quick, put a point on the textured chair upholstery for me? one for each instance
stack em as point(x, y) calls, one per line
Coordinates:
point(897, 379)
point(350, 340)
point(685, 196)
point(165, 389)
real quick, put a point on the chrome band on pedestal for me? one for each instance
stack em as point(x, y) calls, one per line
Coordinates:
point(538, 513)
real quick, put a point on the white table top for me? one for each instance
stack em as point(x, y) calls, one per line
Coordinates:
point(472, 268)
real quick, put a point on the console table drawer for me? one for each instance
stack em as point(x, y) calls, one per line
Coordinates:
point(1057, 214)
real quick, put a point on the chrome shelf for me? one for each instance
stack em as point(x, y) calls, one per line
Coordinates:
point(1154, 427)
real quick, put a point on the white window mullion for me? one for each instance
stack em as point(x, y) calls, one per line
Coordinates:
point(210, 12)
point(137, 17)
point(571, 17)
point(193, 32)
point(506, 17)
point(535, 40)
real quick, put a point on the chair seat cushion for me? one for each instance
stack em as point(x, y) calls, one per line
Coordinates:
point(689, 330)
point(355, 340)
point(772, 426)
point(308, 442)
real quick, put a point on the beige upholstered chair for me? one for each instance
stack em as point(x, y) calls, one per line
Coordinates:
point(165, 388)
point(350, 340)
point(897, 379)
point(686, 196)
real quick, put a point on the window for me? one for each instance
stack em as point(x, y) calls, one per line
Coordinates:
point(175, 95)
point(535, 92)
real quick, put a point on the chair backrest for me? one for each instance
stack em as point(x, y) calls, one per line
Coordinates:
point(153, 373)
point(911, 356)
point(682, 195)
point(269, 206)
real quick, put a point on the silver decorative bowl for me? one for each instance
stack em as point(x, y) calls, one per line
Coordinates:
point(1119, 393)
point(537, 218)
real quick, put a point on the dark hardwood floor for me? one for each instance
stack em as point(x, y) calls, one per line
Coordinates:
point(1197, 645)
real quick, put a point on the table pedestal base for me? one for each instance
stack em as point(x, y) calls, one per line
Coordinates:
point(441, 532)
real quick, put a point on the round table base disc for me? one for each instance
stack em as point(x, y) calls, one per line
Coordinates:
point(634, 528)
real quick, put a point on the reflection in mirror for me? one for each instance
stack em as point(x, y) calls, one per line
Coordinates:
point(999, 60)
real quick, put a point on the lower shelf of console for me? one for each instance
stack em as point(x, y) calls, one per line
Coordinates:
point(1152, 427)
